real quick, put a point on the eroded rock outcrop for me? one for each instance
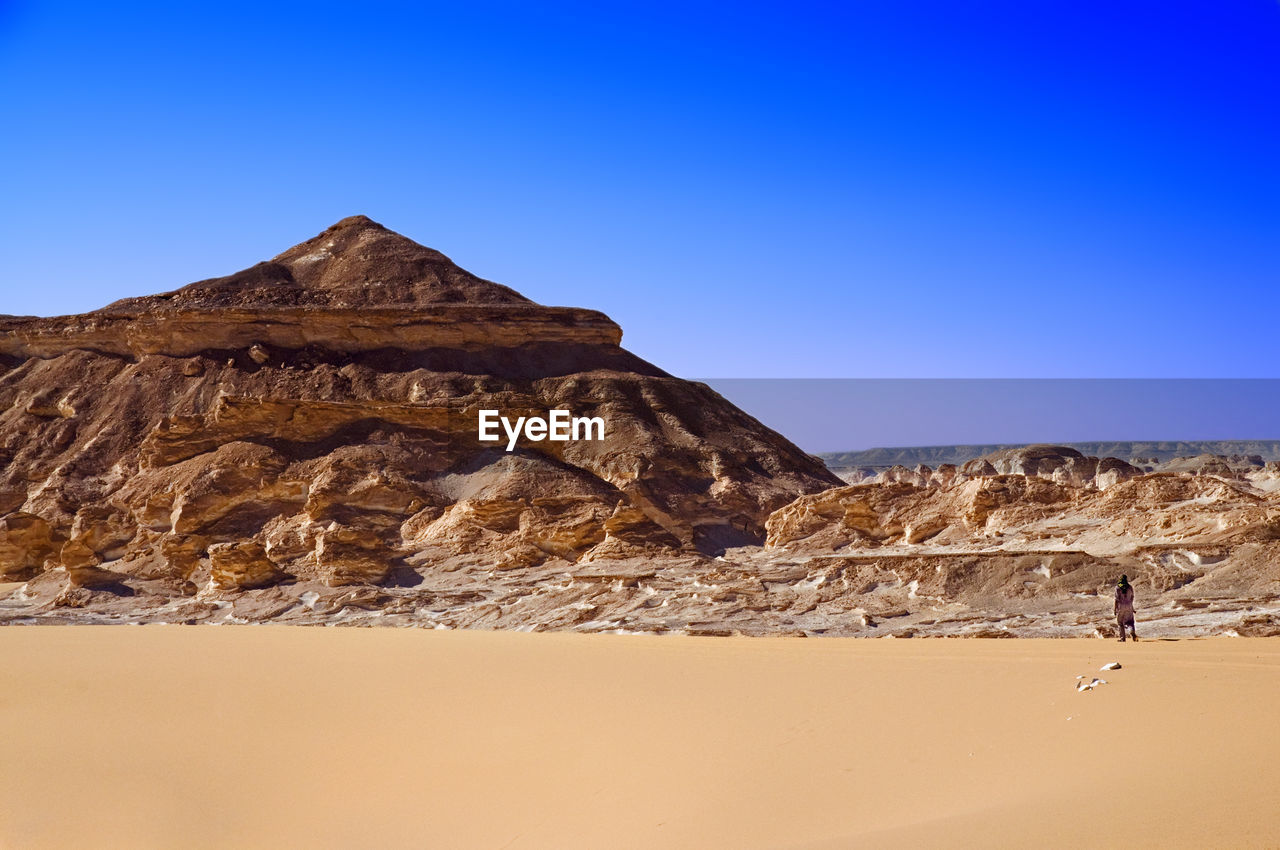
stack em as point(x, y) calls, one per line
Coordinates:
point(242, 566)
point(26, 543)
point(314, 419)
point(1059, 464)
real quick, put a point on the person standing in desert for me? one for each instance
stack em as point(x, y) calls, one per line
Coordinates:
point(1124, 607)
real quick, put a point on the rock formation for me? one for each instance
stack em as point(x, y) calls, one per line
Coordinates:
point(1031, 552)
point(298, 443)
point(313, 419)
point(1061, 464)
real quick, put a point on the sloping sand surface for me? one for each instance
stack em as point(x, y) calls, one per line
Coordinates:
point(274, 736)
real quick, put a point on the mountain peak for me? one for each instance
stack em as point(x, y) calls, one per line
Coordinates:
point(355, 221)
point(354, 263)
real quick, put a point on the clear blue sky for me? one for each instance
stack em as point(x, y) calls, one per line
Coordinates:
point(843, 415)
point(974, 189)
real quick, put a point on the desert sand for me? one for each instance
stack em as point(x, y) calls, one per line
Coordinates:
point(168, 736)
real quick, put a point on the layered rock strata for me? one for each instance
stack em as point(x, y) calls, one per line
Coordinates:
point(314, 419)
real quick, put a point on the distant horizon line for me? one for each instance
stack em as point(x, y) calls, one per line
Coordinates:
point(1065, 443)
point(1133, 451)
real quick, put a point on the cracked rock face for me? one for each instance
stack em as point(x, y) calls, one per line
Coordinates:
point(313, 420)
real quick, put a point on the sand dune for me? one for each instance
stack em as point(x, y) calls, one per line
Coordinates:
point(274, 736)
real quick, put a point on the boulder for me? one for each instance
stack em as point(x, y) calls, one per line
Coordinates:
point(350, 555)
point(242, 566)
point(25, 543)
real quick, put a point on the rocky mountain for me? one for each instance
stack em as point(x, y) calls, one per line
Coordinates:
point(310, 423)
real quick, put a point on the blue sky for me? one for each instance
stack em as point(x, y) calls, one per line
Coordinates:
point(751, 190)
point(842, 415)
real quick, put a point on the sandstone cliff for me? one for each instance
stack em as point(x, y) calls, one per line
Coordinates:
point(314, 419)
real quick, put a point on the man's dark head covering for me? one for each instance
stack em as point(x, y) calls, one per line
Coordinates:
point(1124, 580)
